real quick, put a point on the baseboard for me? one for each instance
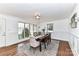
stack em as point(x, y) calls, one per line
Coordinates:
point(59, 39)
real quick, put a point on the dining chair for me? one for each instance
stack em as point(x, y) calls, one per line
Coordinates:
point(34, 44)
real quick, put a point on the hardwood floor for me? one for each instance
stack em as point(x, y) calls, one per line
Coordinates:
point(8, 51)
point(63, 50)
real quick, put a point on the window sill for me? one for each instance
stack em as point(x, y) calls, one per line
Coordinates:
point(20, 40)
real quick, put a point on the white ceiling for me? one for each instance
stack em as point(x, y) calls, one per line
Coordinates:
point(53, 11)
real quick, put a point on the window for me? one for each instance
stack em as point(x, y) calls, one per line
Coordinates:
point(31, 29)
point(27, 30)
point(20, 30)
point(34, 28)
point(23, 30)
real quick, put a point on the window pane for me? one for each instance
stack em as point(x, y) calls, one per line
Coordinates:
point(20, 30)
point(21, 25)
point(34, 28)
point(31, 29)
point(27, 30)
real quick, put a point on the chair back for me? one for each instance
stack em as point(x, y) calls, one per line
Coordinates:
point(33, 42)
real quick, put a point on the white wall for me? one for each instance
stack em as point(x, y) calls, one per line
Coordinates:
point(2, 31)
point(60, 29)
point(11, 30)
point(74, 34)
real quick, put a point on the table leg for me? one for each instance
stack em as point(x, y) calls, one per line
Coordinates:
point(40, 47)
point(45, 45)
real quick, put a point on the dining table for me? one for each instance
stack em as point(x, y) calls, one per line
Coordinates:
point(40, 39)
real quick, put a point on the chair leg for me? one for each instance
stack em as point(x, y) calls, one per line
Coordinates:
point(30, 48)
point(45, 45)
point(34, 49)
point(50, 39)
point(48, 42)
point(40, 47)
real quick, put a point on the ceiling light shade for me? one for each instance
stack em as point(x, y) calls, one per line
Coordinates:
point(37, 15)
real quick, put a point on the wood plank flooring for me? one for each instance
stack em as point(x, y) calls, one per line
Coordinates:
point(8, 51)
point(63, 50)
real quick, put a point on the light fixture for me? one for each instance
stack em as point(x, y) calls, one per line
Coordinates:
point(37, 16)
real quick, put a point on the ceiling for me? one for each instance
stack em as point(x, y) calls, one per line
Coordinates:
point(52, 11)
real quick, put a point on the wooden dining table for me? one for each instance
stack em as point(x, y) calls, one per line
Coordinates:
point(41, 40)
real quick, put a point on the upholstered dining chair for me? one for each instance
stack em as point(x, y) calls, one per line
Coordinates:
point(33, 43)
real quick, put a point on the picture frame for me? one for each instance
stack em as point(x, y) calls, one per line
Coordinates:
point(74, 25)
point(73, 21)
point(50, 27)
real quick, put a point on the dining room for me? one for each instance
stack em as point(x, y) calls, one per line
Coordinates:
point(37, 29)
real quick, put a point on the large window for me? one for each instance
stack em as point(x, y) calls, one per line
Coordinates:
point(23, 30)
